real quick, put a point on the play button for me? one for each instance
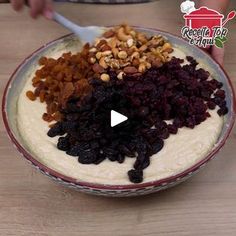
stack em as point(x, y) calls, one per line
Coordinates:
point(117, 118)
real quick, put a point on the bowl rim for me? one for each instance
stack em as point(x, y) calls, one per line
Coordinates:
point(73, 181)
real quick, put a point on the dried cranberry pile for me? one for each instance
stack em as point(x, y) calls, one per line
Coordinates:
point(180, 94)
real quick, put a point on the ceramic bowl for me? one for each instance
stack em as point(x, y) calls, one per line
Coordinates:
point(9, 112)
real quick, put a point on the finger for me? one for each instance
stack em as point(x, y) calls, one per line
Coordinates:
point(48, 9)
point(218, 54)
point(37, 7)
point(17, 4)
point(206, 49)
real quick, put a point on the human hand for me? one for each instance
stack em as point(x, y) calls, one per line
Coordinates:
point(37, 7)
point(216, 53)
point(220, 6)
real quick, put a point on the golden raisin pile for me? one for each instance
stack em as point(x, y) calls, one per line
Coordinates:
point(57, 80)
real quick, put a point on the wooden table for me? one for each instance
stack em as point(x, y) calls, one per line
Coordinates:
point(31, 204)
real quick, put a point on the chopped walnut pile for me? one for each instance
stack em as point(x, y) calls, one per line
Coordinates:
point(127, 51)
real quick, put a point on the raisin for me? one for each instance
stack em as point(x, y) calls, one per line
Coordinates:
point(87, 157)
point(47, 117)
point(63, 144)
point(157, 146)
point(220, 93)
point(31, 95)
point(56, 130)
point(135, 176)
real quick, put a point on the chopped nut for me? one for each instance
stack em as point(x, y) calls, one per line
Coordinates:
point(169, 50)
point(135, 55)
point(127, 29)
point(97, 68)
point(112, 42)
point(130, 70)
point(148, 65)
point(134, 48)
point(114, 64)
point(133, 33)
point(130, 42)
point(92, 60)
point(122, 46)
point(105, 47)
point(143, 48)
point(97, 40)
point(142, 68)
point(137, 74)
point(142, 38)
point(115, 52)
point(120, 75)
point(156, 41)
point(158, 54)
point(143, 59)
point(124, 63)
point(107, 59)
point(157, 63)
point(105, 77)
point(102, 63)
point(122, 55)
point(135, 62)
point(98, 55)
point(109, 34)
point(153, 50)
point(106, 53)
point(101, 43)
point(122, 36)
point(167, 47)
point(93, 50)
point(129, 51)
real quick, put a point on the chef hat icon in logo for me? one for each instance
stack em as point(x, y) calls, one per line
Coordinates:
point(187, 7)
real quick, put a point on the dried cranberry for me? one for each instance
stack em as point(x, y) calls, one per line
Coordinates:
point(220, 93)
point(223, 111)
point(211, 105)
point(143, 111)
point(172, 129)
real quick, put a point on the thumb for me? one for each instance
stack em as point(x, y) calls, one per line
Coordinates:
point(218, 54)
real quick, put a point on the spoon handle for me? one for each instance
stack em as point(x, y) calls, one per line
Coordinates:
point(65, 22)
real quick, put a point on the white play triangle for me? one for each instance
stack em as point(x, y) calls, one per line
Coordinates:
point(117, 118)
